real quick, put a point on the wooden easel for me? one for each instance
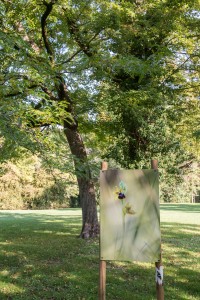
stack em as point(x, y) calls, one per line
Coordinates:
point(102, 263)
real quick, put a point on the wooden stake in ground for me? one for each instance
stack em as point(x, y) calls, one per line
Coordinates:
point(102, 263)
point(158, 265)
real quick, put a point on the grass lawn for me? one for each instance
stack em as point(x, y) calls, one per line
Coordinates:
point(42, 258)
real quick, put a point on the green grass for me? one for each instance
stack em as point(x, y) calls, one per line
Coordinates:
point(41, 257)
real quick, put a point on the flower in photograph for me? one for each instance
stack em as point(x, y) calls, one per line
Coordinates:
point(120, 191)
point(127, 209)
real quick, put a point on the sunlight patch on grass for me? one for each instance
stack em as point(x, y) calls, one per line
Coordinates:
point(186, 218)
point(4, 273)
point(6, 243)
point(10, 288)
point(43, 231)
point(177, 294)
point(180, 213)
point(46, 212)
point(190, 231)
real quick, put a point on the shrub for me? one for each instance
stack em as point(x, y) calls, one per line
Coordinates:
point(28, 185)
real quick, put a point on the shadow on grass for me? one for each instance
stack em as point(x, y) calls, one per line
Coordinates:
point(42, 258)
point(181, 207)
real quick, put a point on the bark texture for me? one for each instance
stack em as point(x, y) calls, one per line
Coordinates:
point(90, 225)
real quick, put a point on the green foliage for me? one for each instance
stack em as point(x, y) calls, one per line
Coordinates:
point(26, 184)
point(175, 185)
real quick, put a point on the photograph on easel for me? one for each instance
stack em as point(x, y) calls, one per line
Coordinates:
point(129, 215)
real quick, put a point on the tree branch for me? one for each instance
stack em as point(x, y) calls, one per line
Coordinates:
point(73, 55)
point(80, 50)
point(74, 30)
point(63, 94)
point(49, 7)
point(19, 27)
point(48, 92)
point(179, 67)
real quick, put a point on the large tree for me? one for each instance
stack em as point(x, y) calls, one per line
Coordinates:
point(44, 43)
point(67, 62)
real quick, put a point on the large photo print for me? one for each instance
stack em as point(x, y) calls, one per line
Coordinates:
point(129, 215)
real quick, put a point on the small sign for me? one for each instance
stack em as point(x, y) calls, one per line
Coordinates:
point(129, 215)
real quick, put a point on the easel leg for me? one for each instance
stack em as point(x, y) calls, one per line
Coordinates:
point(102, 280)
point(159, 281)
point(158, 265)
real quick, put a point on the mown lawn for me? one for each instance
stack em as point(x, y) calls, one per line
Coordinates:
point(41, 257)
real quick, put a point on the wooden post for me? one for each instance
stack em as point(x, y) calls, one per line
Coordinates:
point(102, 263)
point(102, 280)
point(158, 265)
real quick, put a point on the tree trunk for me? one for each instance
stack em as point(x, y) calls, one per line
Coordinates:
point(90, 225)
